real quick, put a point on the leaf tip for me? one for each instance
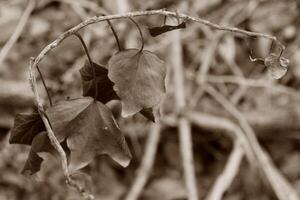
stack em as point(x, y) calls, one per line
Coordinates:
point(124, 161)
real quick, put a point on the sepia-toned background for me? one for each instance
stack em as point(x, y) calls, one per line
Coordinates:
point(217, 71)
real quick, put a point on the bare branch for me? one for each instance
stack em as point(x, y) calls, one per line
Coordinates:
point(226, 178)
point(279, 183)
point(145, 168)
point(253, 83)
point(212, 122)
point(19, 29)
point(161, 12)
point(185, 135)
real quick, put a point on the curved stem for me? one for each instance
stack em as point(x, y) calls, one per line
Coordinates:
point(54, 142)
point(140, 31)
point(161, 12)
point(90, 61)
point(45, 86)
point(115, 34)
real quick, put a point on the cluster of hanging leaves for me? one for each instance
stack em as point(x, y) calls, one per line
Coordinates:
point(85, 127)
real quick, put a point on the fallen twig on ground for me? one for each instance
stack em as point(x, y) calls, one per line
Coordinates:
point(147, 162)
point(279, 183)
point(18, 31)
point(185, 135)
point(226, 178)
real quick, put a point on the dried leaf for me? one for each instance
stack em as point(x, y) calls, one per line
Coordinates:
point(40, 143)
point(105, 86)
point(148, 113)
point(151, 113)
point(139, 79)
point(155, 31)
point(62, 113)
point(277, 66)
point(26, 127)
point(90, 130)
point(32, 164)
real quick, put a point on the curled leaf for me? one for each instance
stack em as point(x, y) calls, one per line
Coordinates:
point(277, 66)
point(155, 31)
point(148, 113)
point(151, 113)
point(89, 129)
point(105, 86)
point(138, 78)
point(32, 164)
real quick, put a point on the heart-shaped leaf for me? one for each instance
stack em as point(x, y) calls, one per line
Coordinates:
point(90, 130)
point(62, 113)
point(104, 85)
point(277, 66)
point(138, 78)
point(26, 127)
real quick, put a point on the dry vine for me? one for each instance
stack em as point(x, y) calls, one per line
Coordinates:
point(35, 61)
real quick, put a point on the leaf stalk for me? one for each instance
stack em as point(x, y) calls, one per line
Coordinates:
point(90, 61)
point(140, 31)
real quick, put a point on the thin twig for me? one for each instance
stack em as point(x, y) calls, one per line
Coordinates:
point(185, 135)
point(161, 12)
point(220, 123)
point(209, 52)
point(91, 63)
point(98, 10)
point(212, 122)
point(208, 56)
point(253, 83)
point(55, 143)
point(19, 29)
point(91, 5)
point(141, 33)
point(145, 168)
point(44, 84)
point(115, 35)
point(226, 178)
point(279, 183)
